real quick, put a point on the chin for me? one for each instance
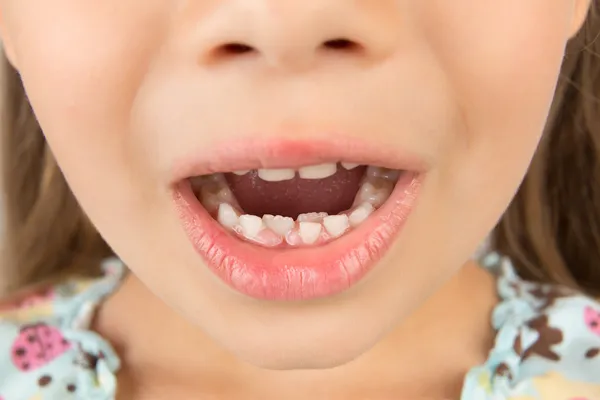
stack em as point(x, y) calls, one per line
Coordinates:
point(323, 340)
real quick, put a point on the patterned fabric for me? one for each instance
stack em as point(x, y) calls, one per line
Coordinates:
point(547, 344)
point(47, 351)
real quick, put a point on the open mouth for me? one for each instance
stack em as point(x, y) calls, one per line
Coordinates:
point(298, 233)
point(288, 208)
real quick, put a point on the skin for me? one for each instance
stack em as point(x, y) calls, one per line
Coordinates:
point(124, 89)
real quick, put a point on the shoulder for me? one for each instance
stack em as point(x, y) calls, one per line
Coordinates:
point(50, 303)
point(45, 343)
point(547, 344)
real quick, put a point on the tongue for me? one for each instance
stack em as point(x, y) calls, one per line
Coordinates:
point(296, 196)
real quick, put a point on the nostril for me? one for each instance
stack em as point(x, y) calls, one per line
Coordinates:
point(232, 49)
point(342, 44)
point(235, 49)
point(225, 52)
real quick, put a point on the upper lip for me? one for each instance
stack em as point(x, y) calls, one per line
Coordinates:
point(248, 154)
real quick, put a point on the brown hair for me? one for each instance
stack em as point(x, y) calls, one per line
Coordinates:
point(551, 230)
point(46, 233)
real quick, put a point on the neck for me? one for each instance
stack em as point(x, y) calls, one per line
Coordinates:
point(444, 338)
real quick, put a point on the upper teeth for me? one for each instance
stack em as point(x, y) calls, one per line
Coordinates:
point(349, 165)
point(309, 172)
point(275, 175)
point(317, 171)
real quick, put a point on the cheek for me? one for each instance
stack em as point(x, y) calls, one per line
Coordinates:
point(81, 62)
point(502, 59)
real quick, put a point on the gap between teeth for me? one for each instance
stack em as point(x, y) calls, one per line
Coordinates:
point(309, 172)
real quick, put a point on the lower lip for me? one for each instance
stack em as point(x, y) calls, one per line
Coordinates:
point(296, 274)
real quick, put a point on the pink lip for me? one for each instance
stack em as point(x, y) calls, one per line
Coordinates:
point(246, 154)
point(294, 274)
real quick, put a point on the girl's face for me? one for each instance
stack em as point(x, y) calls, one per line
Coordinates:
point(137, 96)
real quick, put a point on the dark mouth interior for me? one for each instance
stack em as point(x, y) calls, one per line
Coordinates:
point(296, 196)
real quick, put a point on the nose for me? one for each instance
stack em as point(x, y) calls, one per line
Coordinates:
point(297, 34)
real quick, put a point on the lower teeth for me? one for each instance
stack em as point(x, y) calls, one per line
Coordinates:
point(308, 229)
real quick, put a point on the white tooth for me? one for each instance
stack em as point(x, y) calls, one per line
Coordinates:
point(227, 217)
point(310, 231)
point(349, 166)
point(312, 217)
point(365, 193)
point(226, 195)
point(380, 196)
point(276, 175)
point(242, 172)
point(317, 171)
point(251, 225)
point(360, 214)
point(336, 225)
point(278, 224)
point(368, 193)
